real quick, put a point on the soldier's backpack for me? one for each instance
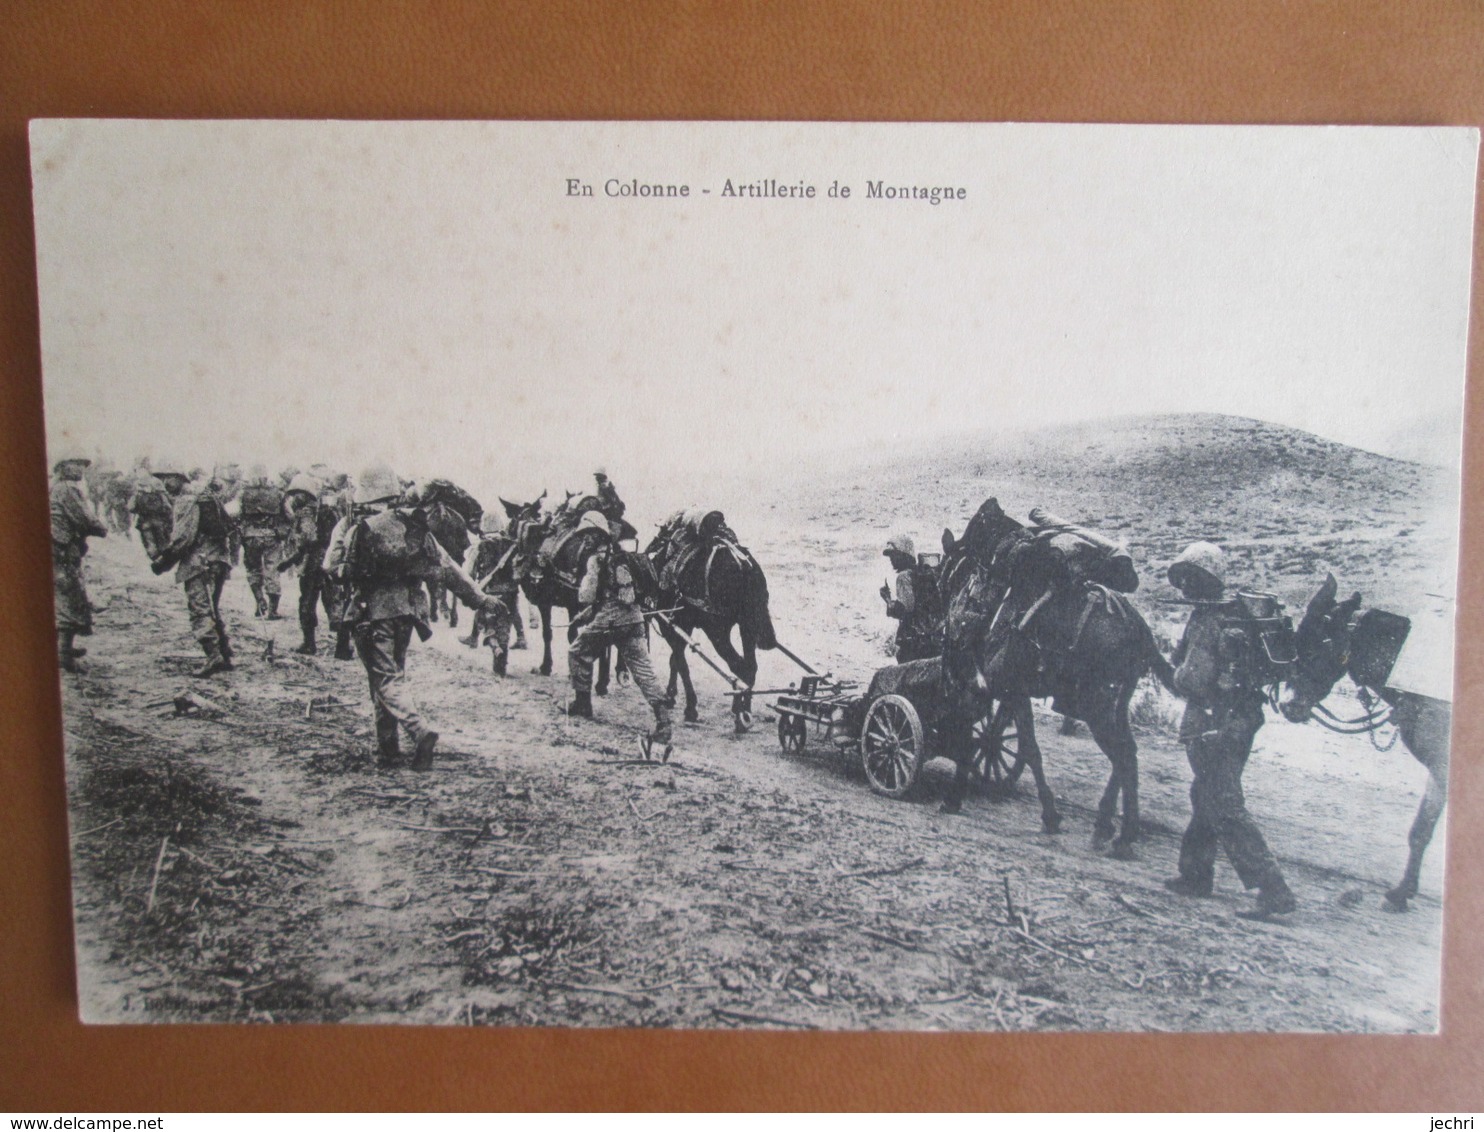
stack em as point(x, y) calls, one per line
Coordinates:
point(261, 502)
point(1258, 642)
point(151, 503)
point(213, 519)
point(387, 547)
point(925, 593)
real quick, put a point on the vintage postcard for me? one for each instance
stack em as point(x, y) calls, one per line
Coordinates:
point(902, 577)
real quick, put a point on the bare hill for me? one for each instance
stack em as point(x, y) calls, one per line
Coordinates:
point(1286, 504)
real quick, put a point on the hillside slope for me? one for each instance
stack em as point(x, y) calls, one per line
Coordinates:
point(1286, 505)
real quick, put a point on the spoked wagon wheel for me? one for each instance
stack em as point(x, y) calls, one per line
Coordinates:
point(793, 732)
point(891, 746)
point(998, 762)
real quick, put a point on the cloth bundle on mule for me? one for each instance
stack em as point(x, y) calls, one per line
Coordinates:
point(1032, 567)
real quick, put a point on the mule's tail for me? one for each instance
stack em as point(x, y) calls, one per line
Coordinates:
point(758, 617)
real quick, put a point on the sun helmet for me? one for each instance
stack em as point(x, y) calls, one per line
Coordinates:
point(1201, 565)
point(901, 544)
point(596, 520)
point(377, 484)
point(69, 454)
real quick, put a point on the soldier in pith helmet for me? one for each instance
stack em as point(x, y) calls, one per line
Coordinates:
point(610, 615)
point(199, 550)
point(152, 504)
point(73, 523)
point(913, 642)
point(1223, 712)
point(263, 528)
point(310, 525)
point(385, 554)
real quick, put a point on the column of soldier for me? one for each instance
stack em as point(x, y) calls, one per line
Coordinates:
point(365, 552)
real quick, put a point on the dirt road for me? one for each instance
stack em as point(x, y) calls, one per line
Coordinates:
point(248, 863)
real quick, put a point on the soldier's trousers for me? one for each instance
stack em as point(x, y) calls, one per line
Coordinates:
point(74, 610)
point(382, 647)
point(633, 651)
point(1219, 817)
point(314, 587)
point(492, 626)
point(204, 604)
point(261, 557)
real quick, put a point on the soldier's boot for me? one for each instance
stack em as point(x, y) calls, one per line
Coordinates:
point(500, 661)
point(273, 614)
point(226, 649)
point(422, 757)
point(662, 731)
point(1190, 886)
point(520, 635)
point(257, 593)
point(343, 648)
point(656, 745)
point(308, 647)
point(1274, 898)
point(215, 661)
point(388, 749)
point(581, 706)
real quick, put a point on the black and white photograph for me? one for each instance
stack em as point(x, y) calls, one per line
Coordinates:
point(926, 577)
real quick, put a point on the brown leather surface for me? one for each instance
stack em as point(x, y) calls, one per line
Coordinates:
point(1098, 60)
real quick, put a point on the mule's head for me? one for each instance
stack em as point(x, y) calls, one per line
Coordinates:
point(986, 530)
point(1323, 645)
point(522, 512)
point(529, 532)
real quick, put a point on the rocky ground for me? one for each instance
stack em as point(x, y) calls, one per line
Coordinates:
point(239, 858)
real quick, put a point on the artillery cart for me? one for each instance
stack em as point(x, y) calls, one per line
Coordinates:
point(894, 727)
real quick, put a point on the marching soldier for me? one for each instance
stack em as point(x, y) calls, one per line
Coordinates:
point(310, 526)
point(610, 616)
point(1223, 713)
point(262, 524)
point(386, 554)
point(198, 549)
point(494, 571)
point(73, 523)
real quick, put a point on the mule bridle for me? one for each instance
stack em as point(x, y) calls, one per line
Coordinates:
point(1376, 712)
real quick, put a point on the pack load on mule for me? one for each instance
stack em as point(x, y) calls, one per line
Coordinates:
point(553, 552)
point(453, 516)
point(1035, 611)
point(707, 580)
point(681, 537)
point(1388, 657)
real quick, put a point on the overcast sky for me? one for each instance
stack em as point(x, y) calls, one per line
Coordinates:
point(428, 293)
